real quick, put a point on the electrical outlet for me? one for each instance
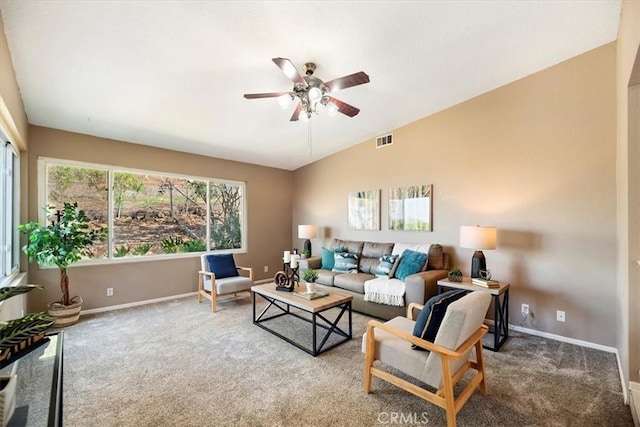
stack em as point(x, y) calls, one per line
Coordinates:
point(560, 316)
point(109, 292)
point(525, 309)
point(266, 268)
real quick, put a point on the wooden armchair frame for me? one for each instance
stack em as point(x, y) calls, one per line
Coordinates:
point(213, 296)
point(444, 396)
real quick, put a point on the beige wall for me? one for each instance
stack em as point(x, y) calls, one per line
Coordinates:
point(268, 214)
point(535, 158)
point(12, 116)
point(628, 190)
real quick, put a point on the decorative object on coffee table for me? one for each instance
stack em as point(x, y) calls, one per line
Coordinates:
point(455, 275)
point(287, 280)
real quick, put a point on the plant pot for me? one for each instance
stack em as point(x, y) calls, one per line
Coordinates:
point(455, 278)
point(7, 397)
point(65, 315)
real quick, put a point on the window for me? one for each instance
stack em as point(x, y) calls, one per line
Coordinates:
point(149, 213)
point(10, 214)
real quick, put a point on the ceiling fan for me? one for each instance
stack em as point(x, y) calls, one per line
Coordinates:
point(312, 92)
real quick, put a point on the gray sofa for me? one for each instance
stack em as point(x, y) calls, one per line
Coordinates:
point(419, 287)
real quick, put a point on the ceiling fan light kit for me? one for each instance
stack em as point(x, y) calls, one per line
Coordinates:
point(312, 92)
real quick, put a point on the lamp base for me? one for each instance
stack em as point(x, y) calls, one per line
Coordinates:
point(307, 246)
point(478, 263)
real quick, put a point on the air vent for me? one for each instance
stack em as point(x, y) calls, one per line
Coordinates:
point(384, 140)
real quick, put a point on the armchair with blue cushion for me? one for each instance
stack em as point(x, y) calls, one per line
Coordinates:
point(219, 275)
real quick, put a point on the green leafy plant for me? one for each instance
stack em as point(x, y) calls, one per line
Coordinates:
point(455, 275)
point(193, 246)
point(121, 251)
point(16, 331)
point(306, 252)
point(142, 249)
point(61, 242)
point(310, 276)
point(171, 245)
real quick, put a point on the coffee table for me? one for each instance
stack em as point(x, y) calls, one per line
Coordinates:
point(281, 302)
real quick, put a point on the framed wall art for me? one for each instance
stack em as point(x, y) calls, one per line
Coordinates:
point(410, 208)
point(364, 210)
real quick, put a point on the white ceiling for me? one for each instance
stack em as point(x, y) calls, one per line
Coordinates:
point(172, 74)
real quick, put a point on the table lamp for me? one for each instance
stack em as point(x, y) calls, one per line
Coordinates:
point(477, 238)
point(307, 232)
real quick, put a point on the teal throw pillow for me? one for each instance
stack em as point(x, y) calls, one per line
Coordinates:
point(327, 259)
point(344, 262)
point(411, 262)
point(430, 318)
point(386, 265)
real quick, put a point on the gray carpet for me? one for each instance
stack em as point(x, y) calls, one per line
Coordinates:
point(176, 364)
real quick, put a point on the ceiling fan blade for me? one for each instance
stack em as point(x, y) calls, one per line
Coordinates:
point(264, 95)
point(290, 71)
point(296, 113)
point(347, 81)
point(344, 108)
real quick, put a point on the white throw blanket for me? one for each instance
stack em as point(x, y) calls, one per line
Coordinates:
point(385, 291)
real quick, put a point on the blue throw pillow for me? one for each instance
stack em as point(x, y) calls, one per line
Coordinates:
point(411, 262)
point(430, 318)
point(386, 264)
point(327, 259)
point(345, 262)
point(222, 265)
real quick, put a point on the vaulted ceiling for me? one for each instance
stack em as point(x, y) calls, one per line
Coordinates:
point(172, 74)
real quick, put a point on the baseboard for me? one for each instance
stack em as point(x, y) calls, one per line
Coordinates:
point(581, 343)
point(135, 304)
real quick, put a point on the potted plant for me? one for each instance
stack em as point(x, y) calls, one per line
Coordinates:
point(306, 253)
point(310, 276)
point(62, 242)
point(455, 275)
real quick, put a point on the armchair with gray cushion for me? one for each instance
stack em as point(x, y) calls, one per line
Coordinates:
point(441, 363)
point(219, 275)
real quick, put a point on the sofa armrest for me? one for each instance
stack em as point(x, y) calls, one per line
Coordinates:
point(313, 263)
point(422, 286)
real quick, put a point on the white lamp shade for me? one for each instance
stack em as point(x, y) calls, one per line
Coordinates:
point(307, 231)
point(478, 238)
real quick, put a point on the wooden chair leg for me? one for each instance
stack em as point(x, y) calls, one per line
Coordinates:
point(450, 403)
point(214, 298)
point(368, 360)
point(480, 367)
point(200, 288)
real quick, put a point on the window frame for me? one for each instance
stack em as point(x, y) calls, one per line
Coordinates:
point(10, 195)
point(43, 186)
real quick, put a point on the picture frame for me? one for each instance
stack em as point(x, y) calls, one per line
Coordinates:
point(364, 210)
point(410, 208)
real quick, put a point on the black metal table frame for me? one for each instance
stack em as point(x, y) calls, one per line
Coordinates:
point(331, 329)
point(500, 327)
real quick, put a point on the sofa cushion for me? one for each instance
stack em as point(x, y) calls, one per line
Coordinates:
point(436, 257)
point(325, 277)
point(430, 318)
point(352, 282)
point(222, 265)
point(411, 262)
point(345, 262)
point(385, 265)
point(354, 247)
point(371, 253)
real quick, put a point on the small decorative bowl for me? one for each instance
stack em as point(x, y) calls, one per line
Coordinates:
point(455, 278)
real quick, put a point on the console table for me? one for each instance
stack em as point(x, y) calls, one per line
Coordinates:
point(500, 297)
point(39, 388)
